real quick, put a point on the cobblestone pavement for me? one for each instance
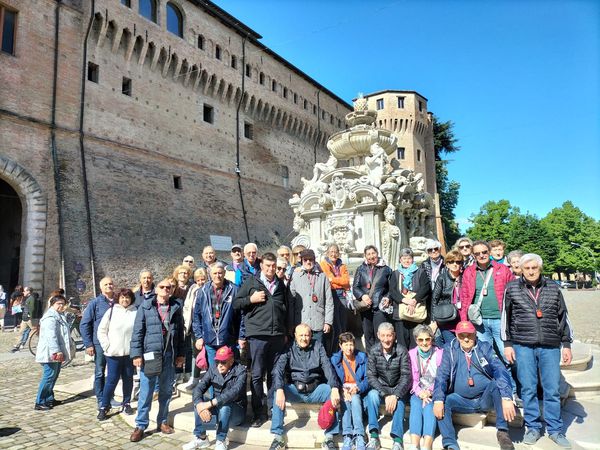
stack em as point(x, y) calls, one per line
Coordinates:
point(73, 424)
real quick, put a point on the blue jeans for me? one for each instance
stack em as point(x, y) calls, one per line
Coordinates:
point(100, 366)
point(50, 372)
point(372, 402)
point(352, 416)
point(119, 367)
point(530, 361)
point(421, 420)
point(231, 413)
point(490, 399)
point(165, 386)
point(264, 352)
point(320, 395)
point(489, 331)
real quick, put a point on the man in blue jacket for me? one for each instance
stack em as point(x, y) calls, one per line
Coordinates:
point(88, 328)
point(157, 348)
point(471, 379)
point(215, 321)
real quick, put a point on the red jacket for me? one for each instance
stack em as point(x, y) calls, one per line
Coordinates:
point(501, 274)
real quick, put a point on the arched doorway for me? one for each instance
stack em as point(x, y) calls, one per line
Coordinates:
point(11, 212)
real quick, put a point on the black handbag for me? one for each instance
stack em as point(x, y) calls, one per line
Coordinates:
point(154, 367)
point(444, 313)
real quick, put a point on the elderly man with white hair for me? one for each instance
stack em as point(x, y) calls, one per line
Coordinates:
point(434, 264)
point(537, 335)
point(251, 265)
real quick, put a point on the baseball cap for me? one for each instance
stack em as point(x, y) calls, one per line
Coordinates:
point(465, 327)
point(223, 354)
point(307, 254)
point(326, 415)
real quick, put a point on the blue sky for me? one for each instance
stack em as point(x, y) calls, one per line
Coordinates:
point(520, 79)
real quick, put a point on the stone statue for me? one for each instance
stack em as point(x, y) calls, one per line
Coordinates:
point(390, 237)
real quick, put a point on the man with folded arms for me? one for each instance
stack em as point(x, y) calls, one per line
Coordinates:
point(313, 380)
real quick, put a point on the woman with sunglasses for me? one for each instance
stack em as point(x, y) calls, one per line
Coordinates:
point(445, 300)
point(465, 246)
point(424, 361)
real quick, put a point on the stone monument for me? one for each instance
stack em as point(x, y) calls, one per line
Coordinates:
point(360, 197)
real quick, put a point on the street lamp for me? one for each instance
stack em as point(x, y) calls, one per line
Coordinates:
point(589, 250)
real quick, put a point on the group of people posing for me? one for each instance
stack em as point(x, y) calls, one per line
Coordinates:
point(467, 332)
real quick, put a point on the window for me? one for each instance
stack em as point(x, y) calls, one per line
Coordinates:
point(274, 86)
point(331, 120)
point(208, 113)
point(126, 86)
point(8, 28)
point(218, 51)
point(379, 103)
point(93, 72)
point(400, 152)
point(248, 130)
point(177, 182)
point(126, 3)
point(248, 70)
point(322, 114)
point(285, 176)
point(174, 20)
point(285, 92)
point(401, 102)
point(305, 104)
point(315, 110)
point(261, 78)
point(201, 42)
point(295, 98)
point(147, 9)
point(420, 106)
point(233, 62)
point(339, 123)
point(418, 155)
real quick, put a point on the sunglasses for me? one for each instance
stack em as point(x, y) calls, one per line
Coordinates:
point(188, 260)
point(483, 253)
point(296, 253)
point(431, 250)
point(428, 339)
point(464, 246)
point(453, 262)
point(221, 363)
point(165, 287)
point(281, 268)
point(236, 250)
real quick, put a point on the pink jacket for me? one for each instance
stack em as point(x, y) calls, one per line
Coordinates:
point(501, 274)
point(414, 367)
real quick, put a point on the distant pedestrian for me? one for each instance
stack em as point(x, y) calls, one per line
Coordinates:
point(53, 349)
point(31, 309)
point(3, 304)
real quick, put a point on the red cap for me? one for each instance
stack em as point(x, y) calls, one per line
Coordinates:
point(326, 415)
point(223, 354)
point(465, 327)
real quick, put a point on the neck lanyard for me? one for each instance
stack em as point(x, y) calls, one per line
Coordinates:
point(538, 310)
point(336, 269)
point(163, 317)
point(425, 364)
point(469, 377)
point(217, 305)
point(371, 271)
point(485, 280)
point(312, 279)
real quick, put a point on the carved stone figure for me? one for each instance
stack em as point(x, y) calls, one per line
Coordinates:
point(390, 237)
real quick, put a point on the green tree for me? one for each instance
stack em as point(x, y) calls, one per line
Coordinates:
point(493, 221)
point(567, 225)
point(445, 142)
point(527, 233)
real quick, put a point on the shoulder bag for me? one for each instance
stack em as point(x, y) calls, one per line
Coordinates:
point(361, 305)
point(474, 311)
point(445, 312)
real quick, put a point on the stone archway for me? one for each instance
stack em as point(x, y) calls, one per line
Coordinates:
point(33, 228)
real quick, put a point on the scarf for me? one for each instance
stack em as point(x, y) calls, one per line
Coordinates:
point(335, 266)
point(407, 274)
point(423, 354)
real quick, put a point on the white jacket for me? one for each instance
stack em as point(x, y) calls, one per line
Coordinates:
point(54, 337)
point(114, 331)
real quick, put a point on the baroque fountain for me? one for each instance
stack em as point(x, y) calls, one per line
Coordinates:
point(360, 196)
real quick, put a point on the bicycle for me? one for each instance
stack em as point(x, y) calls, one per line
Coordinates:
point(73, 317)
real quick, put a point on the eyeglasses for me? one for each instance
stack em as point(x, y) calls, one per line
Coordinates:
point(188, 260)
point(431, 250)
point(165, 287)
point(183, 273)
point(281, 268)
point(221, 363)
point(427, 339)
point(453, 262)
point(464, 246)
point(483, 253)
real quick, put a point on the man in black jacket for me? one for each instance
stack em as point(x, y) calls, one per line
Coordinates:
point(535, 325)
point(228, 380)
point(263, 300)
point(313, 380)
point(389, 375)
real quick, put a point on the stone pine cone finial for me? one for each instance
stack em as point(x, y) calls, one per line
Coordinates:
point(360, 104)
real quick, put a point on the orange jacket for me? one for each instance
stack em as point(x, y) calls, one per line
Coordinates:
point(341, 282)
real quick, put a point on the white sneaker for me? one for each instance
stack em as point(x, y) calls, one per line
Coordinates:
point(191, 384)
point(196, 443)
point(220, 445)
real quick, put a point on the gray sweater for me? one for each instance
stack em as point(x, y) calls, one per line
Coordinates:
point(305, 310)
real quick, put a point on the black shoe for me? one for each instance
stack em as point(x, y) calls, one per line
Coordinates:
point(57, 402)
point(127, 409)
point(258, 421)
point(39, 407)
point(15, 349)
point(102, 413)
point(504, 440)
